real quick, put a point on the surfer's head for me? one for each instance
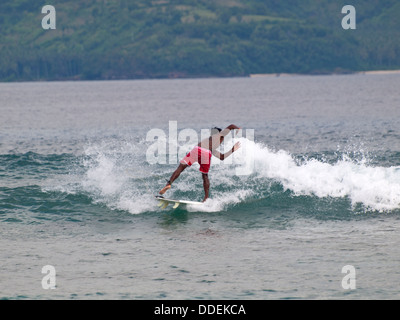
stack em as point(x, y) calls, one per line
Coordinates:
point(215, 130)
point(214, 133)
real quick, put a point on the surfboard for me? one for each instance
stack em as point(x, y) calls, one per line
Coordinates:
point(164, 202)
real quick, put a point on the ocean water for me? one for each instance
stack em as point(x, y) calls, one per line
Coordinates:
point(314, 188)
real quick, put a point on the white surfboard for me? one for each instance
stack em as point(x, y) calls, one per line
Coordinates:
point(163, 202)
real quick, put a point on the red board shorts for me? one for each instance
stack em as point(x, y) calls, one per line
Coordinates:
point(200, 155)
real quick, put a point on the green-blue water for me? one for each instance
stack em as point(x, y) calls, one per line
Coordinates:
point(318, 188)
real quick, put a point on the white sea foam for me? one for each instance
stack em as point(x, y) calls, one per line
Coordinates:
point(221, 201)
point(375, 188)
point(113, 175)
point(122, 180)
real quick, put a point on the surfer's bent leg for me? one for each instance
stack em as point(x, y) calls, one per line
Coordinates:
point(206, 185)
point(174, 176)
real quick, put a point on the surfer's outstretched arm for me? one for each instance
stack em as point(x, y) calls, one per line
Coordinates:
point(175, 175)
point(221, 156)
point(228, 129)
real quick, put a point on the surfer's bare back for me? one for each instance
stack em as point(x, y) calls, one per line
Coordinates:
point(202, 154)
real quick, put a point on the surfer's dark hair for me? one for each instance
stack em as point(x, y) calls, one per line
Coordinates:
point(215, 130)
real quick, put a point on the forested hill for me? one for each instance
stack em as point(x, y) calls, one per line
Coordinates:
point(128, 39)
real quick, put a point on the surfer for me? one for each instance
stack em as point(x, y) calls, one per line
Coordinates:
point(202, 153)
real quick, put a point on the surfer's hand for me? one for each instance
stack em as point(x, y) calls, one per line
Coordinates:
point(236, 146)
point(233, 127)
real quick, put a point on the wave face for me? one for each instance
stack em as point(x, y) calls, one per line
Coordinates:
point(115, 174)
point(373, 187)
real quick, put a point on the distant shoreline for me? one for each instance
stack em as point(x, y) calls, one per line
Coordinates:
point(379, 72)
point(254, 75)
point(374, 72)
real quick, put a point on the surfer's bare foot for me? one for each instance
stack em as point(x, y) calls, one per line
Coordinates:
point(163, 190)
